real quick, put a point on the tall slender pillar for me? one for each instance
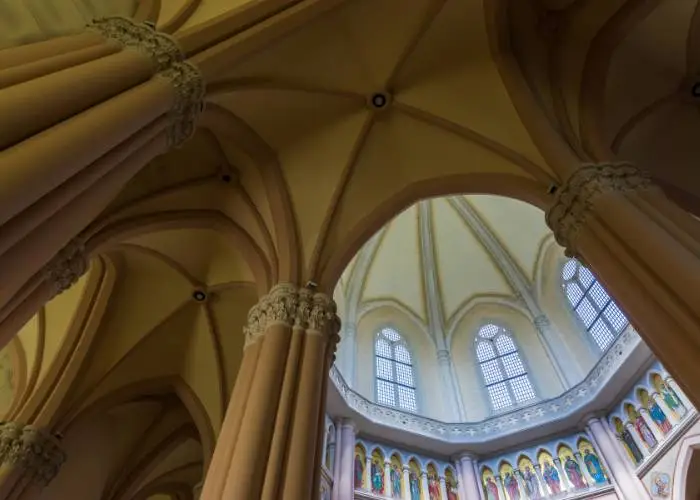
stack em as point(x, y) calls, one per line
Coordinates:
point(468, 479)
point(443, 488)
point(644, 249)
point(544, 490)
point(387, 479)
point(272, 425)
point(499, 483)
point(337, 470)
point(453, 400)
point(565, 482)
point(345, 487)
point(584, 470)
point(424, 485)
point(32, 458)
point(617, 464)
point(78, 119)
point(406, 493)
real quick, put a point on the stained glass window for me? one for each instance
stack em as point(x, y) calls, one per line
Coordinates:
point(505, 376)
point(394, 371)
point(600, 315)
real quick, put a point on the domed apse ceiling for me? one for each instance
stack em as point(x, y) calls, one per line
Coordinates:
point(441, 254)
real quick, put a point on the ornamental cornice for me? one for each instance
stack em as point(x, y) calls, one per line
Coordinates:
point(35, 451)
point(574, 200)
point(295, 307)
point(162, 49)
point(67, 267)
point(530, 417)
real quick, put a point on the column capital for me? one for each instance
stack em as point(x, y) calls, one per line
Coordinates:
point(346, 423)
point(573, 202)
point(541, 322)
point(162, 49)
point(406, 468)
point(67, 267)
point(466, 456)
point(593, 418)
point(443, 356)
point(35, 451)
point(295, 307)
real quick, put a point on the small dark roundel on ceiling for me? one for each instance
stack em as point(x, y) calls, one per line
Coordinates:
point(199, 295)
point(379, 100)
point(695, 89)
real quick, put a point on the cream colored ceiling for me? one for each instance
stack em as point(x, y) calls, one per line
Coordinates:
point(449, 247)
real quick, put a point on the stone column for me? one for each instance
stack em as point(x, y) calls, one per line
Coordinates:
point(611, 455)
point(443, 488)
point(482, 493)
point(424, 485)
point(31, 457)
point(584, 470)
point(406, 494)
point(501, 488)
point(344, 489)
point(644, 249)
point(388, 488)
point(272, 426)
point(468, 480)
point(453, 399)
point(658, 435)
point(565, 483)
point(337, 470)
point(368, 472)
point(68, 127)
point(544, 490)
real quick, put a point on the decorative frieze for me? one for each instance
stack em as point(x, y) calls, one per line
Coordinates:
point(574, 200)
point(67, 267)
point(295, 307)
point(35, 451)
point(502, 425)
point(169, 61)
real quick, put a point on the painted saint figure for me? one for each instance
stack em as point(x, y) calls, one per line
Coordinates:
point(672, 400)
point(530, 481)
point(631, 446)
point(359, 471)
point(659, 417)
point(491, 489)
point(377, 479)
point(511, 484)
point(433, 487)
point(595, 469)
point(573, 471)
point(395, 481)
point(551, 477)
point(452, 492)
point(644, 432)
point(414, 486)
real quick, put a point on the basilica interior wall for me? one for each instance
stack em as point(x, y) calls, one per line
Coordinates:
point(580, 353)
point(532, 351)
point(430, 393)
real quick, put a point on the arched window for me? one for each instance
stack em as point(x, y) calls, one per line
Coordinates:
point(505, 376)
point(394, 376)
point(592, 304)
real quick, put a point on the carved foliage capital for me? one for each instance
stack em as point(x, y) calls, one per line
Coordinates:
point(67, 267)
point(37, 452)
point(295, 307)
point(161, 48)
point(574, 201)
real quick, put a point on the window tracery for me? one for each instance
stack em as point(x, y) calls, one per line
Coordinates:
point(505, 376)
point(601, 316)
point(395, 381)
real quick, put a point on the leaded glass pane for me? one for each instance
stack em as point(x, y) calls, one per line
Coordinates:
point(513, 365)
point(384, 369)
point(602, 334)
point(522, 389)
point(401, 354)
point(383, 348)
point(587, 312)
point(488, 331)
point(505, 345)
point(588, 298)
point(407, 398)
point(492, 371)
point(404, 374)
point(485, 351)
point(386, 393)
point(391, 334)
point(500, 397)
